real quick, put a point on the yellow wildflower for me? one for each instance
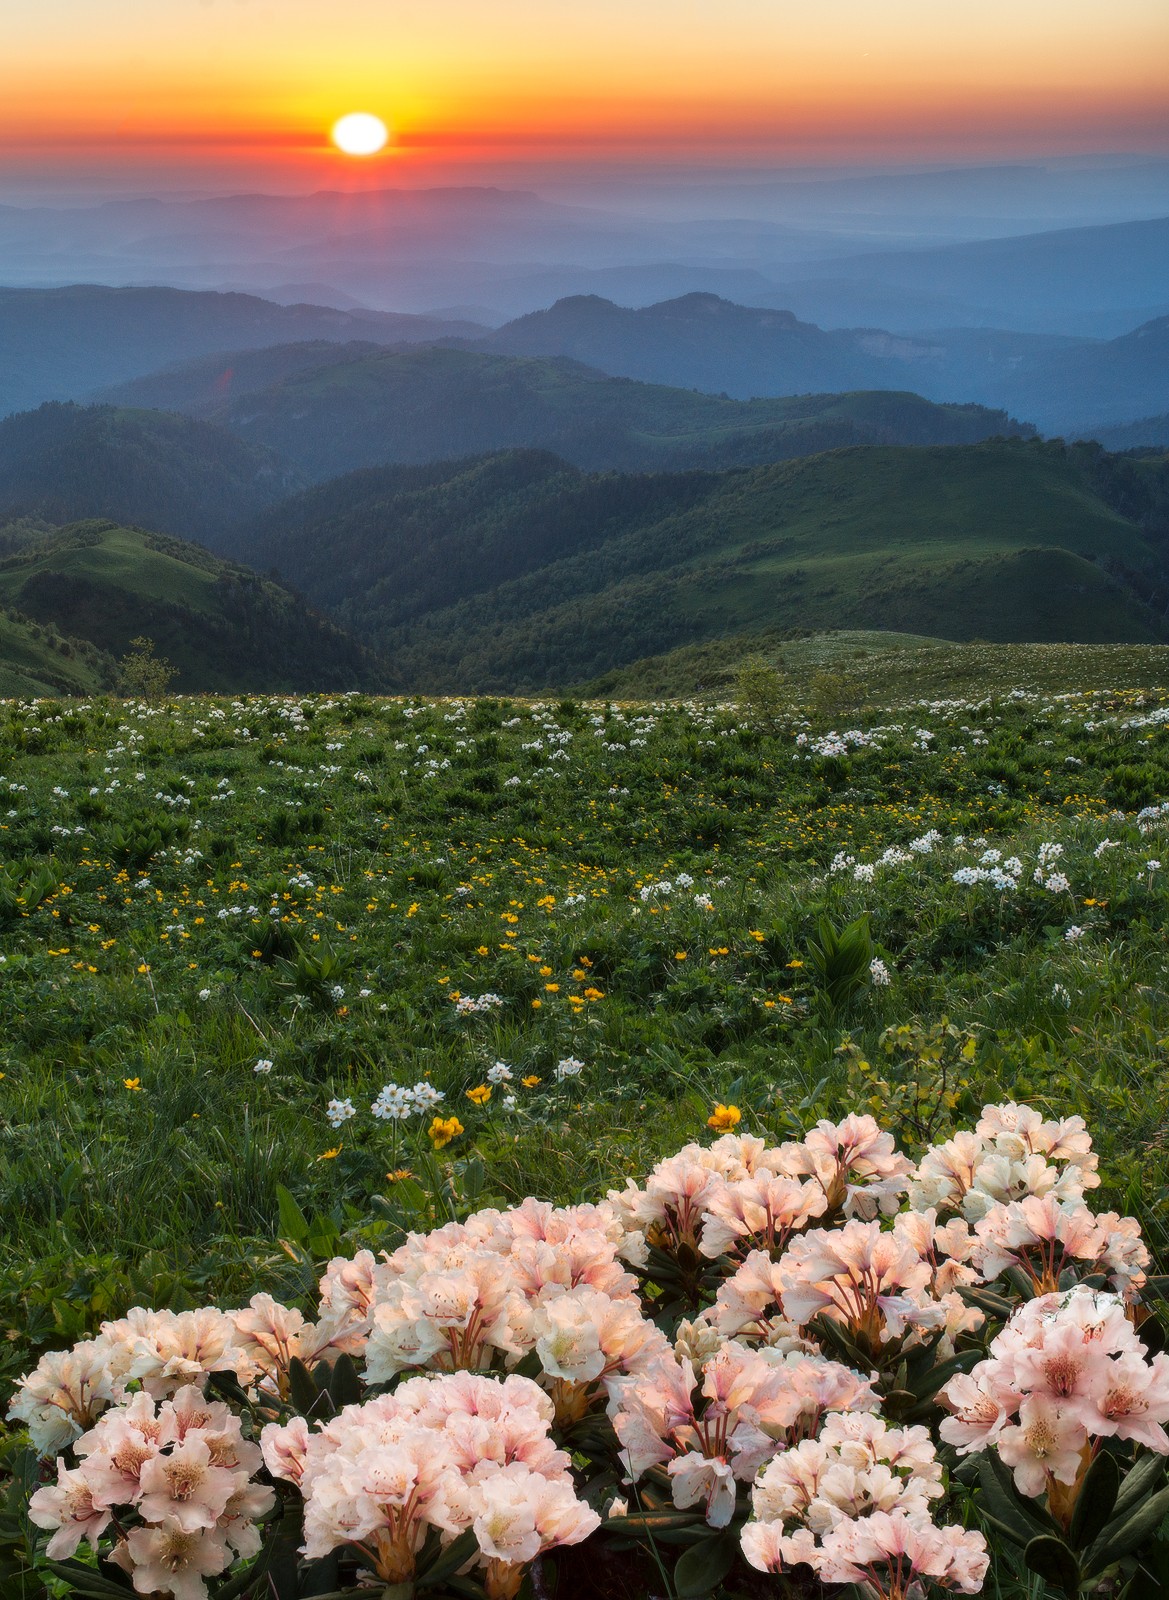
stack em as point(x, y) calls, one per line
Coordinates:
point(443, 1129)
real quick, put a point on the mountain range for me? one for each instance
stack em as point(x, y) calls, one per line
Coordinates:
point(201, 479)
point(62, 344)
point(699, 341)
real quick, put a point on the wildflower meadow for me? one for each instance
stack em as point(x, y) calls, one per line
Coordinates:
point(494, 1149)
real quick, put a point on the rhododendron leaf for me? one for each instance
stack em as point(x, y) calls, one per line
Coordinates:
point(229, 1386)
point(344, 1383)
point(85, 1580)
point(320, 1578)
point(1125, 1534)
point(831, 1333)
point(703, 1567)
point(1054, 1563)
point(992, 1305)
point(251, 1574)
point(658, 1522)
point(999, 1504)
point(1095, 1502)
point(1142, 1480)
point(450, 1558)
point(303, 1389)
point(1020, 1281)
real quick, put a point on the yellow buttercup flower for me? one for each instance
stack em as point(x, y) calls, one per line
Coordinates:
point(480, 1094)
point(443, 1129)
point(724, 1118)
point(131, 1083)
point(530, 1082)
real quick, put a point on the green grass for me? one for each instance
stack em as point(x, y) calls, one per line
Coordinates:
point(315, 883)
point(875, 668)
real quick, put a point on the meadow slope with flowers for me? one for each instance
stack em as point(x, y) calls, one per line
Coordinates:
point(511, 1148)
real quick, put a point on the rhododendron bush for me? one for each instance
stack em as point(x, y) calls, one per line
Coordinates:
point(766, 1369)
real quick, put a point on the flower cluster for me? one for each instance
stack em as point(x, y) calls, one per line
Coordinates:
point(440, 1457)
point(1067, 1372)
point(395, 1102)
point(1012, 1153)
point(738, 1192)
point(175, 1479)
point(715, 1428)
point(854, 1504)
point(163, 1350)
point(743, 1333)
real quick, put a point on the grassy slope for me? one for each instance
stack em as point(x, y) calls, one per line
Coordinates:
point(872, 668)
point(36, 661)
point(992, 542)
point(217, 622)
point(101, 986)
point(426, 404)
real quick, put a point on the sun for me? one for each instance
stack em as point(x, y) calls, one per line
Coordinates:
point(360, 134)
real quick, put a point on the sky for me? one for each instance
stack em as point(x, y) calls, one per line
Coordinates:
point(189, 93)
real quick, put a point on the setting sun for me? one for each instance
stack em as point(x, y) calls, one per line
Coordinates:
point(360, 134)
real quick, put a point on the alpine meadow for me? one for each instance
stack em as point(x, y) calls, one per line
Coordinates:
point(584, 802)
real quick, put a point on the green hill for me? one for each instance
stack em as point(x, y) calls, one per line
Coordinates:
point(221, 625)
point(36, 660)
point(847, 670)
point(520, 572)
point(434, 403)
point(66, 462)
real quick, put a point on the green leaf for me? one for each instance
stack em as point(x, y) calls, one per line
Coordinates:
point(1144, 1477)
point(450, 1558)
point(250, 1574)
point(1054, 1563)
point(1000, 1504)
point(302, 1389)
point(344, 1383)
point(699, 1570)
point(294, 1224)
point(1124, 1534)
point(85, 1580)
point(1096, 1501)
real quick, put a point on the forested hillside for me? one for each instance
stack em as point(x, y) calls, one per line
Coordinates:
point(65, 462)
point(519, 572)
point(432, 403)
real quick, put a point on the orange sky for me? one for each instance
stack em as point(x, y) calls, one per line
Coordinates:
point(253, 85)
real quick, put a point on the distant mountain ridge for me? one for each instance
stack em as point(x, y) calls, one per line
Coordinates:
point(63, 344)
point(430, 403)
point(701, 342)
